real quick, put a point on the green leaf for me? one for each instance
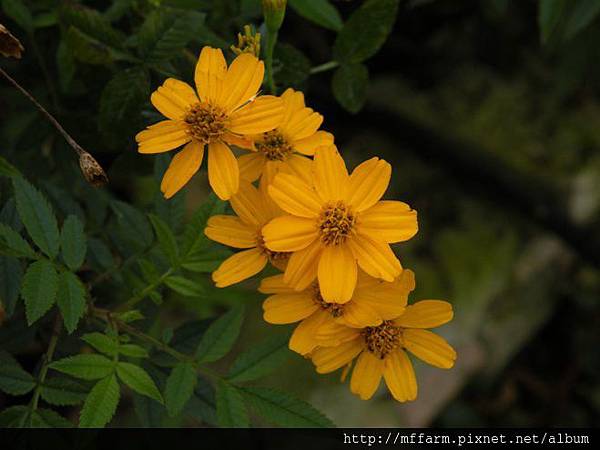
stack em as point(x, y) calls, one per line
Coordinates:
point(12, 244)
point(166, 239)
point(71, 299)
point(73, 243)
point(11, 274)
point(46, 418)
point(207, 262)
point(349, 84)
point(65, 65)
point(283, 409)
point(365, 31)
point(185, 286)
point(17, 11)
point(291, 67)
point(550, 13)
point(163, 35)
point(86, 367)
point(220, 335)
point(231, 410)
point(103, 343)
point(63, 391)
point(133, 223)
point(39, 288)
point(101, 403)
point(138, 379)
point(37, 216)
point(193, 237)
point(321, 12)
point(7, 169)
point(14, 417)
point(133, 351)
point(180, 387)
point(584, 13)
point(260, 360)
point(13, 379)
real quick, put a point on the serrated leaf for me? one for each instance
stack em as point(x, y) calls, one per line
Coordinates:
point(220, 335)
point(138, 379)
point(349, 84)
point(584, 13)
point(103, 343)
point(11, 274)
point(185, 286)
point(166, 239)
point(86, 367)
point(14, 417)
point(92, 24)
point(260, 360)
point(284, 409)
point(101, 403)
point(46, 418)
point(9, 215)
point(12, 244)
point(71, 299)
point(133, 351)
point(231, 410)
point(365, 31)
point(13, 379)
point(37, 216)
point(133, 223)
point(17, 11)
point(208, 261)
point(180, 387)
point(7, 169)
point(73, 243)
point(193, 237)
point(321, 12)
point(62, 391)
point(38, 289)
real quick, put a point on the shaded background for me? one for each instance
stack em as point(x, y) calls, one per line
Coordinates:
point(493, 137)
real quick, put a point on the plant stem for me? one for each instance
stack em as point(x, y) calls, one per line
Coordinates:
point(324, 67)
point(270, 48)
point(47, 359)
point(129, 304)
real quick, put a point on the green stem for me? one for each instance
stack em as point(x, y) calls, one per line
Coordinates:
point(129, 304)
point(324, 67)
point(47, 359)
point(270, 48)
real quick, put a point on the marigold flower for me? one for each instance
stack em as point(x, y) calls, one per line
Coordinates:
point(254, 209)
point(373, 302)
point(336, 223)
point(284, 147)
point(223, 110)
point(381, 350)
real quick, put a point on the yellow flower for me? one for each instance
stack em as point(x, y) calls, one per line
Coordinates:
point(373, 302)
point(284, 146)
point(380, 350)
point(336, 223)
point(254, 209)
point(224, 111)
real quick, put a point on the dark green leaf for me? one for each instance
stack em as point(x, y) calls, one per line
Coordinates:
point(194, 238)
point(133, 351)
point(185, 286)
point(138, 379)
point(180, 387)
point(349, 84)
point(9, 215)
point(46, 418)
point(283, 409)
point(37, 216)
point(70, 299)
point(103, 343)
point(549, 16)
point(291, 67)
point(39, 288)
point(202, 405)
point(584, 12)
point(260, 360)
point(208, 261)
point(63, 391)
point(365, 31)
point(11, 274)
point(73, 243)
point(220, 336)
point(166, 239)
point(133, 223)
point(86, 367)
point(231, 410)
point(13, 379)
point(65, 65)
point(17, 11)
point(7, 169)
point(14, 417)
point(321, 12)
point(12, 244)
point(101, 403)
point(100, 254)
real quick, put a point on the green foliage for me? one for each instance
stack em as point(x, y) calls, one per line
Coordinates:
point(12, 244)
point(260, 360)
point(349, 85)
point(220, 336)
point(103, 343)
point(231, 409)
point(321, 12)
point(138, 379)
point(70, 298)
point(166, 239)
point(185, 286)
point(39, 288)
point(101, 403)
point(180, 387)
point(17, 11)
point(11, 274)
point(13, 379)
point(86, 367)
point(63, 391)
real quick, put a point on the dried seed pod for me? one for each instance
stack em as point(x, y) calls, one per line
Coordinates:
point(92, 171)
point(10, 46)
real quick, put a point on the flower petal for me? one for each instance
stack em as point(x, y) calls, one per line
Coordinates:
point(242, 81)
point(302, 266)
point(429, 347)
point(389, 221)
point(231, 231)
point(368, 183)
point(223, 170)
point(162, 137)
point(288, 308)
point(210, 74)
point(258, 116)
point(251, 166)
point(337, 273)
point(388, 300)
point(375, 258)
point(239, 267)
point(366, 375)
point(399, 376)
point(333, 332)
point(173, 98)
point(300, 166)
point(275, 285)
point(294, 196)
point(183, 167)
point(308, 145)
point(359, 314)
point(248, 204)
point(289, 233)
point(302, 124)
point(426, 314)
point(303, 340)
point(293, 101)
point(238, 140)
point(330, 174)
point(328, 359)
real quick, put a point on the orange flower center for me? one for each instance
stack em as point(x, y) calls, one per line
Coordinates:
point(274, 257)
point(274, 146)
point(335, 309)
point(382, 339)
point(336, 222)
point(205, 122)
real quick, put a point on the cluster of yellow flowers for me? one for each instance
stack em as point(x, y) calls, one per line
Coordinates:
point(297, 207)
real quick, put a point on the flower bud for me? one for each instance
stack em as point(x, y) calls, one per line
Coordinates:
point(92, 171)
point(10, 46)
point(274, 11)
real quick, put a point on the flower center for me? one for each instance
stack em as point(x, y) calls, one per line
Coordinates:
point(205, 122)
point(274, 146)
point(335, 223)
point(274, 257)
point(335, 309)
point(382, 339)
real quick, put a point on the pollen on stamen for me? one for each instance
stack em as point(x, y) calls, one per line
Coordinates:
point(382, 339)
point(335, 309)
point(205, 122)
point(274, 146)
point(278, 259)
point(336, 223)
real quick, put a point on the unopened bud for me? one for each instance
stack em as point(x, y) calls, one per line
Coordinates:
point(92, 171)
point(249, 42)
point(273, 11)
point(10, 46)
